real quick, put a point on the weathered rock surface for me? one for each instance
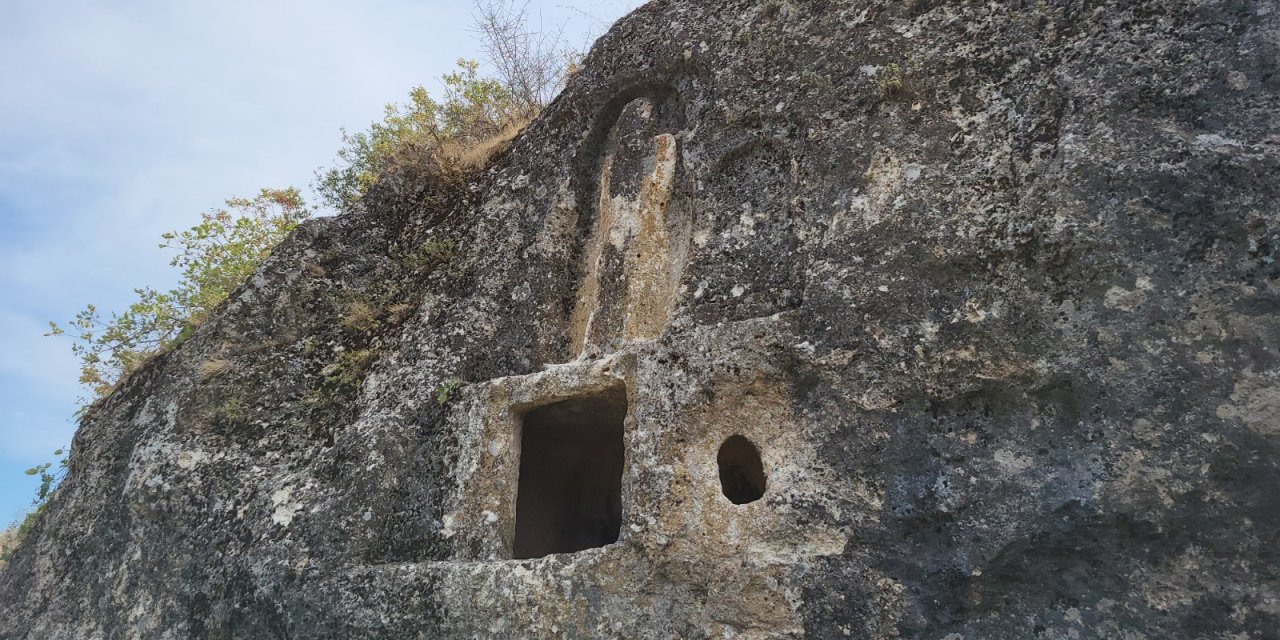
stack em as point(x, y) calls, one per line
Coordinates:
point(992, 286)
point(8, 540)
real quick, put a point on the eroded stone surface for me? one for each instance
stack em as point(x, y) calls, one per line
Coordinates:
point(992, 286)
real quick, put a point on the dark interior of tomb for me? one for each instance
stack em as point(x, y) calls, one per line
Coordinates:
point(742, 476)
point(570, 486)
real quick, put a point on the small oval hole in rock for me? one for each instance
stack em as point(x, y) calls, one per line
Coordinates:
point(741, 472)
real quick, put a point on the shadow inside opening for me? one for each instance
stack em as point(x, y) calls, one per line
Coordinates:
point(569, 494)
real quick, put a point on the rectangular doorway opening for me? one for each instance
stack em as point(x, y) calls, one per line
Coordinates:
point(569, 494)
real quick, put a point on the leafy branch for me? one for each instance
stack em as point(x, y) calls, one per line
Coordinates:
point(214, 257)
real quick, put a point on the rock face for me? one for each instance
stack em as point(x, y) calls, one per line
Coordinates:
point(990, 288)
point(8, 540)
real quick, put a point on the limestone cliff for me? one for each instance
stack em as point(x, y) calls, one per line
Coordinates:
point(990, 289)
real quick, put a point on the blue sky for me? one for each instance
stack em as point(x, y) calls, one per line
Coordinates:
point(122, 120)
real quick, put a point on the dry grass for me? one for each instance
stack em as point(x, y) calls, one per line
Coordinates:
point(399, 313)
point(451, 158)
point(476, 154)
point(359, 317)
point(210, 369)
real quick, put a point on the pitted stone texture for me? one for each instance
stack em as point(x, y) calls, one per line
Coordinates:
point(992, 285)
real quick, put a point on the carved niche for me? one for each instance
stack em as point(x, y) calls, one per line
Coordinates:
point(639, 229)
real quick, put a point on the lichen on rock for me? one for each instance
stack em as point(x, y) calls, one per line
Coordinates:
point(990, 287)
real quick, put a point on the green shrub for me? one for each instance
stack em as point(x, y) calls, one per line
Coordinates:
point(475, 116)
point(445, 390)
point(49, 473)
point(889, 81)
point(214, 258)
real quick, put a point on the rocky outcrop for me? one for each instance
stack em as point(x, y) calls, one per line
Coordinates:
point(8, 540)
point(989, 287)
